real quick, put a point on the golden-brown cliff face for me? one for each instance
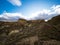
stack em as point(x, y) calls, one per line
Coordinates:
point(23, 31)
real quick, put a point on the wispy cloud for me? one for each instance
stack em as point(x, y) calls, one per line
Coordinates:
point(56, 9)
point(5, 16)
point(15, 2)
point(46, 13)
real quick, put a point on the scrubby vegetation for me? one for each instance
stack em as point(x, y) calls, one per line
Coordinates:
point(31, 32)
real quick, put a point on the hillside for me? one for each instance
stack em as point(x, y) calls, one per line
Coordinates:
point(55, 21)
point(29, 32)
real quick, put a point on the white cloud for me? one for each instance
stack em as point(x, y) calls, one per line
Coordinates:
point(10, 16)
point(15, 2)
point(56, 9)
point(46, 13)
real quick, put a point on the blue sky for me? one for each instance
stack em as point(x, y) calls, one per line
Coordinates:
point(14, 9)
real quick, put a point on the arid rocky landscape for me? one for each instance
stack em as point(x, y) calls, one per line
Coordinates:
point(30, 32)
